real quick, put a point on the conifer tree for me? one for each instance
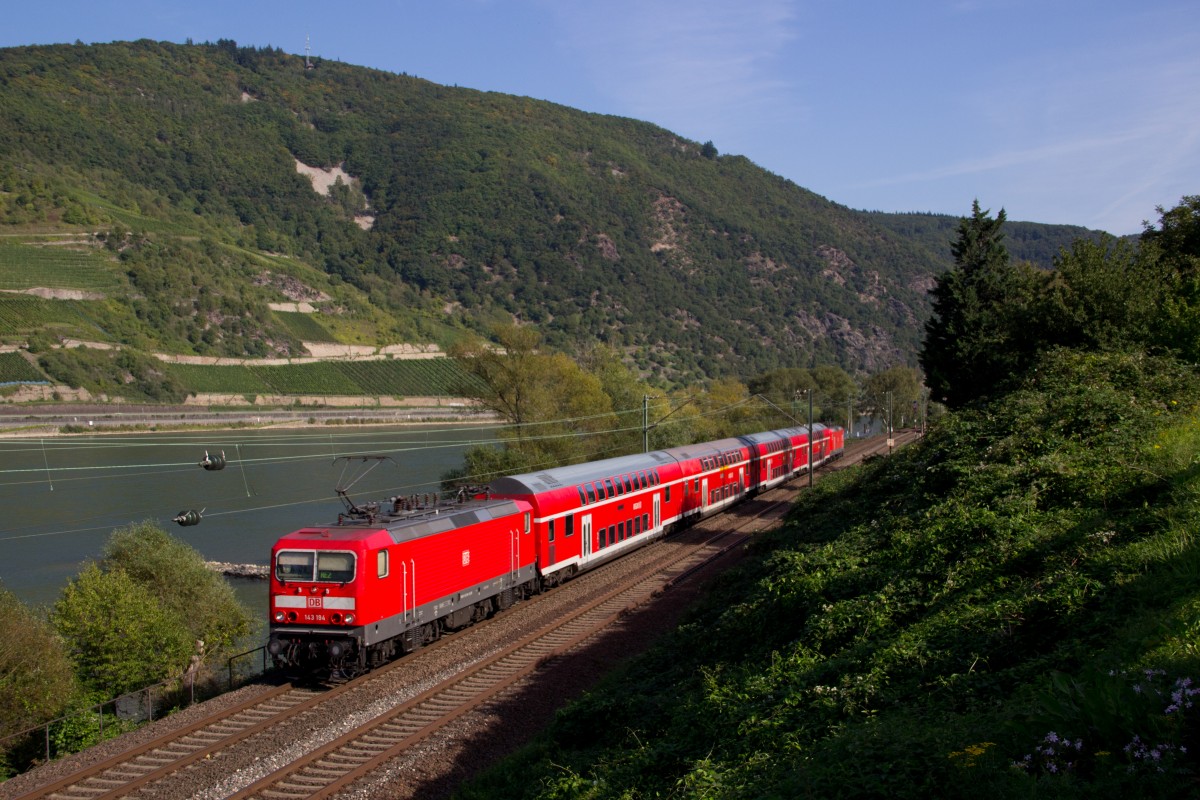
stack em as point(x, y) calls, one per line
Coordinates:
point(973, 342)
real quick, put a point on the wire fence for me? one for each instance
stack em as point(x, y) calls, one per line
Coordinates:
point(96, 723)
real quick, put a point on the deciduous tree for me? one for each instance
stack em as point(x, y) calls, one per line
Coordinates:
point(177, 576)
point(120, 636)
point(892, 395)
point(36, 681)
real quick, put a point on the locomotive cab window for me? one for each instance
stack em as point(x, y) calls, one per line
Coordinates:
point(309, 565)
point(335, 567)
point(381, 564)
point(294, 566)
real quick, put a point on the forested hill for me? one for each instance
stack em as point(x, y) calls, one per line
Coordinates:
point(458, 209)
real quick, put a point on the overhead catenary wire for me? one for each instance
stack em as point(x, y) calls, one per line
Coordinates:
point(326, 440)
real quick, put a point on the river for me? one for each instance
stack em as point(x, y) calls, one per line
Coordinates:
point(62, 496)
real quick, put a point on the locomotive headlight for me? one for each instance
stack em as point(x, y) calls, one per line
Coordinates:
point(349, 618)
point(279, 616)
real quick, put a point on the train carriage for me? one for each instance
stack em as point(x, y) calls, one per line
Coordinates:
point(714, 475)
point(771, 458)
point(588, 513)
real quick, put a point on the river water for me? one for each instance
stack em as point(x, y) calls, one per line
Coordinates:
point(61, 497)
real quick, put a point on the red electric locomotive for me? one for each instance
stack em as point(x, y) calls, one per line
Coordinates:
point(349, 596)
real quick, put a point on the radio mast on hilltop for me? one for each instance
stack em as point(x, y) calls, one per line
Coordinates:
point(307, 52)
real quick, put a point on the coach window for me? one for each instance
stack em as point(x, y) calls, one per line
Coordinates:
point(667, 493)
point(599, 490)
point(603, 538)
point(582, 496)
point(628, 485)
point(620, 531)
point(645, 522)
point(591, 493)
point(550, 531)
point(637, 524)
point(657, 480)
point(381, 564)
point(608, 483)
point(569, 528)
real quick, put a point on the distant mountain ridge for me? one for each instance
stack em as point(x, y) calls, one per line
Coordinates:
point(445, 210)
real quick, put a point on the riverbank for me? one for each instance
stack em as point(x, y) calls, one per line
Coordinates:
point(64, 419)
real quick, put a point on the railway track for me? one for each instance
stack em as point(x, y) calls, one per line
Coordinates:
point(146, 770)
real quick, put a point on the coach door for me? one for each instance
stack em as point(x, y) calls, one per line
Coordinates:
point(586, 544)
point(704, 495)
point(657, 510)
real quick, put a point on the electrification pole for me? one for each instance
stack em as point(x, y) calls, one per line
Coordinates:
point(645, 423)
point(810, 438)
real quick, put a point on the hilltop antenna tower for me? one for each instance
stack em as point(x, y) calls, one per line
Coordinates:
point(307, 52)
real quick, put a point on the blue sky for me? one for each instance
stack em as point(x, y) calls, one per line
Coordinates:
point(1061, 111)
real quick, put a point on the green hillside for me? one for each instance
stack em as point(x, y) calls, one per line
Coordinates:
point(1006, 609)
point(177, 165)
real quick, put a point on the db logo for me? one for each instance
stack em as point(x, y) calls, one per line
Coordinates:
point(466, 557)
point(314, 602)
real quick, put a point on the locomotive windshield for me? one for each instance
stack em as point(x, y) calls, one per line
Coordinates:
point(309, 565)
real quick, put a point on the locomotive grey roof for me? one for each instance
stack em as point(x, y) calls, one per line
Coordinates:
point(447, 517)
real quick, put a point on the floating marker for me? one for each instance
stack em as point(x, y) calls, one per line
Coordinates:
point(188, 518)
point(213, 463)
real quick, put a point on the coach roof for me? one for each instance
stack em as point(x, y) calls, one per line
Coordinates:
point(560, 477)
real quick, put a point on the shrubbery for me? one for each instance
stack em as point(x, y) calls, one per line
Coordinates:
point(148, 611)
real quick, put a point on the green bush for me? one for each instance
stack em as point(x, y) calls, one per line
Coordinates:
point(176, 575)
point(36, 681)
point(121, 637)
